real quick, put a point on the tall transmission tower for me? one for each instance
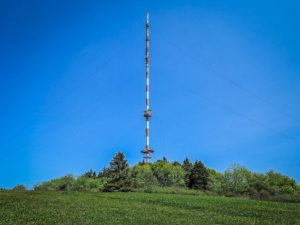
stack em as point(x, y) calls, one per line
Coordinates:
point(147, 111)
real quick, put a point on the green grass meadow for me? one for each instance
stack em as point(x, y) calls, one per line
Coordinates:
point(33, 207)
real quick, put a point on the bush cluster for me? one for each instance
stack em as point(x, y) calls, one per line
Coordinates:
point(176, 178)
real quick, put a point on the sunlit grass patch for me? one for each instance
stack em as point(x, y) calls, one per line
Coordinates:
point(32, 207)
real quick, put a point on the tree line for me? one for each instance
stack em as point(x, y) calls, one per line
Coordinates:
point(184, 178)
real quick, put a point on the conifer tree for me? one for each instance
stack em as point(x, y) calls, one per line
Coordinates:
point(119, 177)
point(165, 159)
point(89, 174)
point(104, 173)
point(198, 178)
point(187, 166)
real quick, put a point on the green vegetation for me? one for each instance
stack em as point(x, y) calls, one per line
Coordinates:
point(187, 178)
point(20, 187)
point(51, 207)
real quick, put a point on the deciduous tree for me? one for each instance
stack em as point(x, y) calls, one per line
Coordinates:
point(20, 187)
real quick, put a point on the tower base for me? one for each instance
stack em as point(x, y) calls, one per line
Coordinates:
point(147, 156)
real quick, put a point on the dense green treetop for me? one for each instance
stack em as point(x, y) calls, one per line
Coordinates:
point(199, 176)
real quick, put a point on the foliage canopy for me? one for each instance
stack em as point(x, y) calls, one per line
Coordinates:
point(174, 177)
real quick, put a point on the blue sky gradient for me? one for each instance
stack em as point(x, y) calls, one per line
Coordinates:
point(72, 88)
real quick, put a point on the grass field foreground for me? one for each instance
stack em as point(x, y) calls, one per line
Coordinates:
point(32, 207)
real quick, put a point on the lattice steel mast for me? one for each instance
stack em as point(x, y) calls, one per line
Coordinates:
point(147, 111)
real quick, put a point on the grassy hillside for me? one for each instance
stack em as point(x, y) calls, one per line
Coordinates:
point(33, 207)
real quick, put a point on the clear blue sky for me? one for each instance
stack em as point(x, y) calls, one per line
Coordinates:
point(224, 85)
